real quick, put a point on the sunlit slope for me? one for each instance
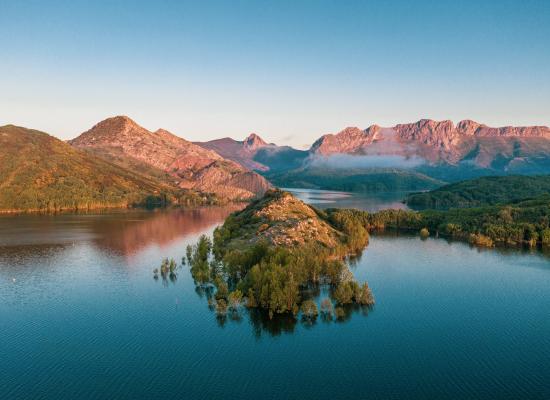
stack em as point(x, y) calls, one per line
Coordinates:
point(40, 172)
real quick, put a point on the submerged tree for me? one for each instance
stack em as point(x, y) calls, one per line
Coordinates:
point(235, 299)
point(309, 310)
point(326, 308)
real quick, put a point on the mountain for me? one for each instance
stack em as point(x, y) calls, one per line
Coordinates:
point(256, 154)
point(42, 173)
point(441, 142)
point(122, 141)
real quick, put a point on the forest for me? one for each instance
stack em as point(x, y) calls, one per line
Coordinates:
point(479, 192)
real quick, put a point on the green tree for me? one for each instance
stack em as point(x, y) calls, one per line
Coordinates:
point(234, 299)
point(309, 310)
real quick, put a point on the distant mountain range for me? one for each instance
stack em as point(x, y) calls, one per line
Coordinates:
point(255, 153)
point(438, 142)
point(414, 156)
point(119, 162)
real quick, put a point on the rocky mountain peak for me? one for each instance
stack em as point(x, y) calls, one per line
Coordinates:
point(253, 142)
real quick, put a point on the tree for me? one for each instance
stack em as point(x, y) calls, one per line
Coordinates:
point(326, 308)
point(235, 299)
point(545, 237)
point(309, 310)
point(365, 295)
point(221, 307)
point(344, 293)
point(222, 289)
point(251, 299)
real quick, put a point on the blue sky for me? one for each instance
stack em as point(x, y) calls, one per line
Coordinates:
point(288, 70)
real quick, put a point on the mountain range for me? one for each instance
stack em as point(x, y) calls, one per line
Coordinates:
point(118, 162)
point(413, 156)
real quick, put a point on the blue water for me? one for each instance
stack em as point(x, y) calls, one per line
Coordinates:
point(81, 317)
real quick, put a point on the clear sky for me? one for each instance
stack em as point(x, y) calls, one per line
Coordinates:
point(288, 70)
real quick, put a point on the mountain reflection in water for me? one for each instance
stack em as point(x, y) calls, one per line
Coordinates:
point(124, 233)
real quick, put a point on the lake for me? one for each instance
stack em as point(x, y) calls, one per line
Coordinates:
point(81, 317)
point(362, 201)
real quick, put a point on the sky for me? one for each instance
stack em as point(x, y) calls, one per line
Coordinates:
point(287, 70)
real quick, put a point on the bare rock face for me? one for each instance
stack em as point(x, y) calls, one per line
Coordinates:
point(442, 141)
point(472, 128)
point(433, 133)
point(350, 140)
point(195, 167)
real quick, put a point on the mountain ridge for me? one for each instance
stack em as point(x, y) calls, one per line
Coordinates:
point(42, 173)
point(193, 167)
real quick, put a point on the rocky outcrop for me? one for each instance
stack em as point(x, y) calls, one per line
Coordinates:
point(253, 142)
point(280, 219)
point(193, 166)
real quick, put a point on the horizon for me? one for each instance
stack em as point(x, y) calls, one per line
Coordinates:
point(260, 135)
point(289, 72)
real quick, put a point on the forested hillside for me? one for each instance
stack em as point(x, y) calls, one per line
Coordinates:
point(42, 173)
point(482, 191)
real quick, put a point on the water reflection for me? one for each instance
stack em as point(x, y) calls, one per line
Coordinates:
point(127, 236)
point(123, 233)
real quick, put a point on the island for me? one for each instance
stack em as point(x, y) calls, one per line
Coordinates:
point(269, 253)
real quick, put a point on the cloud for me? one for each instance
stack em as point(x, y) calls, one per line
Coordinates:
point(342, 161)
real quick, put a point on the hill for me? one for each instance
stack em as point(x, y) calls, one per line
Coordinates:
point(481, 192)
point(525, 223)
point(280, 219)
point(42, 173)
point(354, 179)
point(122, 141)
point(276, 248)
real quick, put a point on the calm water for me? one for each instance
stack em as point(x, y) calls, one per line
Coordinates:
point(81, 317)
point(361, 201)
